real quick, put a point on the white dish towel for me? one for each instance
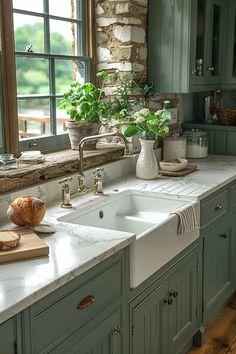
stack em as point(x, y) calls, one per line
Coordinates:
point(187, 218)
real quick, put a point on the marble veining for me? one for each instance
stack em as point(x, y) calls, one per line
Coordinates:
point(75, 249)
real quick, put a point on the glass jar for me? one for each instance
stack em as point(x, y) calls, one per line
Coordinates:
point(197, 144)
point(8, 162)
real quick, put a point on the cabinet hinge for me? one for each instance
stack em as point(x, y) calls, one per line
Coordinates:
point(197, 268)
point(15, 347)
point(132, 330)
point(197, 313)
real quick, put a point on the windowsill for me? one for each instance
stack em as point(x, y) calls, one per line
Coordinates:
point(57, 164)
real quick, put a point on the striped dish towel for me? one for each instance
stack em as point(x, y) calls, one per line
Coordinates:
point(187, 219)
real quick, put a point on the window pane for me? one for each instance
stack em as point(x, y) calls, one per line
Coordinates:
point(29, 30)
point(63, 37)
point(67, 8)
point(61, 118)
point(33, 117)
point(32, 76)
point(67, 71)
point(36, 6)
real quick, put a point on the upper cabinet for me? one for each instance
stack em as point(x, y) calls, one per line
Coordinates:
point(230, 50)
point(186, 42)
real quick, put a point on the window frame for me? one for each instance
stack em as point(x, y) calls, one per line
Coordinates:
point(10, 121)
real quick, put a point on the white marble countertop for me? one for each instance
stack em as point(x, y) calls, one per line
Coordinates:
point(73, 249)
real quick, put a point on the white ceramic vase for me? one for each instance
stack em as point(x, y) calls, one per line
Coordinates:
point(147, 167)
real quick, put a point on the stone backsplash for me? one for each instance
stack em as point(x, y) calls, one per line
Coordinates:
point(121, 39)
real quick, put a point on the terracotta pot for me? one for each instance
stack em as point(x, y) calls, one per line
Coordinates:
point(78, 130)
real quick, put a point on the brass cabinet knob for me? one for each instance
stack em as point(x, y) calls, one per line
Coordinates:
point(168, 301)
point(174, 294)
point(218, 206)
point(117, 330)
point(224, 235)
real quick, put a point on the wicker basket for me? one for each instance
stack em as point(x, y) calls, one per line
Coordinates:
point(226, 116)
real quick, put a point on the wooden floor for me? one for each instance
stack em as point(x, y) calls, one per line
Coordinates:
point(220, 336)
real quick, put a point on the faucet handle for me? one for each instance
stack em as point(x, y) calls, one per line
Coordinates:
point(64, 180)
point(97, 170)
point(81, 184)
point(65, 193)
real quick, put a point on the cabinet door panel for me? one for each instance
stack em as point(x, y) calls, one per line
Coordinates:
point(105, 338)
point(217, 259)
point(7, 339)
point(182, 312)
point(149, 323)
point(230, 53)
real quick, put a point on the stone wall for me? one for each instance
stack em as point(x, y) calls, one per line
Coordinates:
point(122, 42)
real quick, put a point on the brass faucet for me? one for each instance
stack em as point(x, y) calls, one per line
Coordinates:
point(97, 175)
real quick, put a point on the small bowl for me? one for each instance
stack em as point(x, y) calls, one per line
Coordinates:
point(172, 166)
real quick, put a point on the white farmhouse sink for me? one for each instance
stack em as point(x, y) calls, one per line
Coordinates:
point(147, 215)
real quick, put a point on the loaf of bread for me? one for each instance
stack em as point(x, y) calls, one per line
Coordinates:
point(26, 211)
point(9, 239)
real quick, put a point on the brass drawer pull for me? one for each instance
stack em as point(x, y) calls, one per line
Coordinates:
point(225, 235)
point(218, 207)
point(86, 302)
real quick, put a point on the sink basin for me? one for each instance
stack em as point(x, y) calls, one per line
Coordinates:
point(146, 214)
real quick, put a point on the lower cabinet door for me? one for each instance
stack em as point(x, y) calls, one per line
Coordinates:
point(218, 282)
point(149, 323)
point(7, 339)
point(183, 308)
point(99, 337)
point(166, 320)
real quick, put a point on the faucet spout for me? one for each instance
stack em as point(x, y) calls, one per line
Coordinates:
point(96, 137)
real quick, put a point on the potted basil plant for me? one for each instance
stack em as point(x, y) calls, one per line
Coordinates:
point(85, 105)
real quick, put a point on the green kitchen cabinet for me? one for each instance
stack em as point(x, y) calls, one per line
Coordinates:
point(185, 45)
point(7, 337)
point(221, 139)
point(218, 282)
point(164, 320)
point(219, 252)
point(84, 313)
point(230, 48)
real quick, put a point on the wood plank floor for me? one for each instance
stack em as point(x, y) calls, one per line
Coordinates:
point(220, 336)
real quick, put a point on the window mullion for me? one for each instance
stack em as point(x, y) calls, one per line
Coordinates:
point(46, 28)
point(52, 79)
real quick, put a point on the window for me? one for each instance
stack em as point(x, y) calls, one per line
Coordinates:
point(50, 52)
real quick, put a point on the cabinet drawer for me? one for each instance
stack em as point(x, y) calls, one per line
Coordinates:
point(214, 208)
point(69, 313)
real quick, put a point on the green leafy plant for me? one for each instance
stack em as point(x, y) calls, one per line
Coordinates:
point(85, 102)
point(148, 125)
point(130, 92)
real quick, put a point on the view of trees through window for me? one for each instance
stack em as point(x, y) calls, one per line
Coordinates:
point(32, 75)
point(49, 55)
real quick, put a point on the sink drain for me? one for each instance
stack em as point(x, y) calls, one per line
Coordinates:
point(101, 214)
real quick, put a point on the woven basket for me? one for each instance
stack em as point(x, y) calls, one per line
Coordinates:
point(226, 116)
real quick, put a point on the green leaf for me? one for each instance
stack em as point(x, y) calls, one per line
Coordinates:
point(131, 130)
point(102, 74)
point(85, 107)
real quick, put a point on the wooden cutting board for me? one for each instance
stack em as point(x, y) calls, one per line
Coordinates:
point(188, 169)
point(30, 246)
